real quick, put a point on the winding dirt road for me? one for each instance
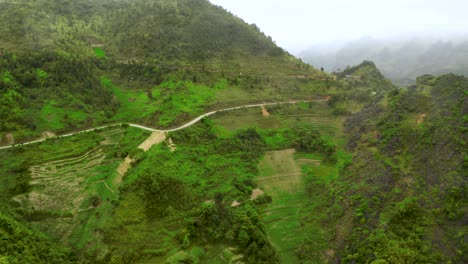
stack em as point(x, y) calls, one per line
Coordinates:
point(194, 121)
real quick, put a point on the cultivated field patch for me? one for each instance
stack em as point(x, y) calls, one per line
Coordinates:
point(281, 177)
point(72, 182)
point(316, 114)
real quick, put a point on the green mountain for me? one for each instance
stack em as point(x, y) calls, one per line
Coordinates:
point(348, 168)
point(73, 64)
point(403, 198)
point(172, 31)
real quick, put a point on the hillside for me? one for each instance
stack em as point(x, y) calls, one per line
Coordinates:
point(403, 198)
point(375, 177)
point(356, 86)
point(73, 64)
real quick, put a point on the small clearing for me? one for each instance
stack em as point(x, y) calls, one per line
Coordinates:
point(256, 193)
point(122, 169)
point(235, 204)
point(171, 145)
point(421, 118)
point(47, 134)
point(280, 172)
point(10, 139)
point(265, 112)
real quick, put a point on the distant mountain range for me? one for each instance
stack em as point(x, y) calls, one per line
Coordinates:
point(399, 60)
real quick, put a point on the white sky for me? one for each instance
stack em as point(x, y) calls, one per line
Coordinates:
point(296, 24)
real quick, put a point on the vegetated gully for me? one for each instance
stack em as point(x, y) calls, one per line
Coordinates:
point(194, 121)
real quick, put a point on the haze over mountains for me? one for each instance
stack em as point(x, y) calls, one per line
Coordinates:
point(399, 59)
point(298, 24)
point(404, 38)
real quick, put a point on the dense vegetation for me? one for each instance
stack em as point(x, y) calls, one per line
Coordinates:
point(405, 192)
point(20, 244)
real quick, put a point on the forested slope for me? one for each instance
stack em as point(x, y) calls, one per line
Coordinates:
point(178, 30)
point(403, 198)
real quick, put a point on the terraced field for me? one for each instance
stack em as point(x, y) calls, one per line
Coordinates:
point(316, 114)
point(61, 187)
point(281, 177)
point(72, 181)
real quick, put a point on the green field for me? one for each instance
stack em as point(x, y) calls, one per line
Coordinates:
point(281, 177)
point(297, 181)
point(316, 114)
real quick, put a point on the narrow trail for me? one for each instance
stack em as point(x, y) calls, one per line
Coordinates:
point(190, 123)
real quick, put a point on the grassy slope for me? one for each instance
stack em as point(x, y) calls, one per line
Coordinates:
point(207, 174)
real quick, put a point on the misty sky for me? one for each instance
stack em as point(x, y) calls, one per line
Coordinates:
point(296, 24)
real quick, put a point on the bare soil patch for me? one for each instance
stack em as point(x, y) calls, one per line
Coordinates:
point(122, 169)
point(48, 134)
point(265, 112)
point(10, 139)
point(421, 118)
point(171, 145)
point(155, 138)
